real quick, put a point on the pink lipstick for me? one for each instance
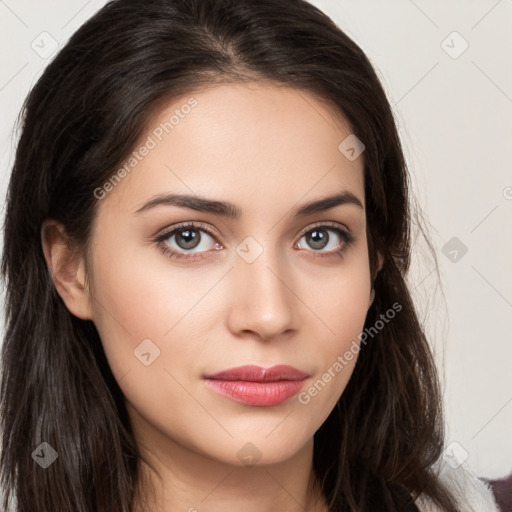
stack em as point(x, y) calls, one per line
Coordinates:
point(254, 385)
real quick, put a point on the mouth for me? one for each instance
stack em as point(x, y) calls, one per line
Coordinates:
point(257, 386)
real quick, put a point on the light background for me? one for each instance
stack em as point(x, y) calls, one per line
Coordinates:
point(455, 118)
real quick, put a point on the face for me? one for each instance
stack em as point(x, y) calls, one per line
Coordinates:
point(268, 286)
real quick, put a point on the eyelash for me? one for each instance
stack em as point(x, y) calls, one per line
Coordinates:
point(347, 237)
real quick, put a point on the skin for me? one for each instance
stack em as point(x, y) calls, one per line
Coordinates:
point(268, 150)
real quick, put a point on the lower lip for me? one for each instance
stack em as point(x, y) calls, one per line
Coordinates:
point(257, 393)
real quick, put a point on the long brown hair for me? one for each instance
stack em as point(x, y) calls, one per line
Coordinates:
point(377, 448)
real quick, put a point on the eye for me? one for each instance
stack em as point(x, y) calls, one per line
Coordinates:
point(320, 237)
point(186, 240)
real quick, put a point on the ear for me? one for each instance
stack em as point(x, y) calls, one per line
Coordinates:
point(380, 263)
point(67, 269)
point(372, 296)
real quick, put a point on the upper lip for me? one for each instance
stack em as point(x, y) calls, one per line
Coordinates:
point(252, 373)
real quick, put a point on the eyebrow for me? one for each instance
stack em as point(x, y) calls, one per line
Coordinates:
point(227, 209)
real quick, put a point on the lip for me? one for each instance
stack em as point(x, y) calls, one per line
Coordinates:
point(257, 386)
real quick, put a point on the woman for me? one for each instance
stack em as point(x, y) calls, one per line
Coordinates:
point(206, 241)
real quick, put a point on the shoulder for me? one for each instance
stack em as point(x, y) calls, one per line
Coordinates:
point(471, 492)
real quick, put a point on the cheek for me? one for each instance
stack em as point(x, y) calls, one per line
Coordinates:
point(134, 301)
point(149, 327)
point(341, 309)
point(340, 300)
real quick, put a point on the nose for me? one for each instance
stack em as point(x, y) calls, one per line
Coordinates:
point(262, 300)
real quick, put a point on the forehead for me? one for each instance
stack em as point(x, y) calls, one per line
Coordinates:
point(240, 141)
